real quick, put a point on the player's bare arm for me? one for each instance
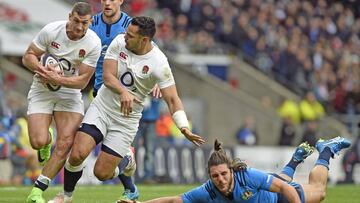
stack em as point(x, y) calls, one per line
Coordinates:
point(174, 103)
point(31, 58)
point(287, 190)
point(112, 82)
point(173, 199)
point(77, 82)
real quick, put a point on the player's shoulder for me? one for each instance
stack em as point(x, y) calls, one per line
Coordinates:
point(243, 175)
point(250, 170)
point(125, 18)
point(255, 176)
point(159, 58)
point(120, 38)
point(92, 37)
point(125, 15)
point(160, 55)
point(55, 25)
point(205, 192)
point(51, 30)
point(250, 173)
point(96, 19)
point(123, 22)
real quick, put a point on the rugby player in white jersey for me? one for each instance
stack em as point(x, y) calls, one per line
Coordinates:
point(77, 48)
point(132, 67)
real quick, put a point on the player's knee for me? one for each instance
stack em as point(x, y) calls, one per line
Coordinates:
point(62, 147)
point(37, 143)
point(61, 151)
point(76, 157)
point(102, 174)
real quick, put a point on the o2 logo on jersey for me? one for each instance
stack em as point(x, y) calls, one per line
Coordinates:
point(67, 66)
point(127, 79)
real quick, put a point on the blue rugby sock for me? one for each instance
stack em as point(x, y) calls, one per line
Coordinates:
point(324, 158)
point(287, 170)
point(123, 163)
point(127, 182)
point(290, 168)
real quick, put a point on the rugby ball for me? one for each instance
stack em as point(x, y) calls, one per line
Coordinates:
point(47, 59)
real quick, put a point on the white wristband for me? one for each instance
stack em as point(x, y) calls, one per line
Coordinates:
point(180, 119)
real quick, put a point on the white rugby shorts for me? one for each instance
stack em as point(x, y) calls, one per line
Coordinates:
point(44, 101)
point(119, 132)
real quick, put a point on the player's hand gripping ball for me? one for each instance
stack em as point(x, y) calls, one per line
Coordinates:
point(49, 59)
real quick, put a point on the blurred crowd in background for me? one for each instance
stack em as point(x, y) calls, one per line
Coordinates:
point(311, 47)
point(305, 45)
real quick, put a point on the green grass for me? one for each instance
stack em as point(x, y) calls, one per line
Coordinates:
point(109, 193)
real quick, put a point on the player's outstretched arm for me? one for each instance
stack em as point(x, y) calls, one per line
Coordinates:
point(173, 199)
point(287, 190)
point(176, 109)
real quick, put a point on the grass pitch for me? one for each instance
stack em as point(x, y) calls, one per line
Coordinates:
point(109, 193)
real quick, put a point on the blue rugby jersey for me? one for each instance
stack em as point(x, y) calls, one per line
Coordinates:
point(251, 186)
point(106, 32)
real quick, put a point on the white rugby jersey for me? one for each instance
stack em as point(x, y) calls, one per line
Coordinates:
point(137, 73)
point(54, 40)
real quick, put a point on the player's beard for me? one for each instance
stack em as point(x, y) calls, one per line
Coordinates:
point(131, 48)
point(109, 13)
point(224, 188)
point(229, 189)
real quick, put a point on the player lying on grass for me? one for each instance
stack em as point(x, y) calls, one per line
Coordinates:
point(229, 184)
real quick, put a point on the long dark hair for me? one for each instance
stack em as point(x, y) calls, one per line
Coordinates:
point(219, 157)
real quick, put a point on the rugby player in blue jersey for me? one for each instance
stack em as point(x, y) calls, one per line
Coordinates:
point(231, 184)
point(107, 25)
